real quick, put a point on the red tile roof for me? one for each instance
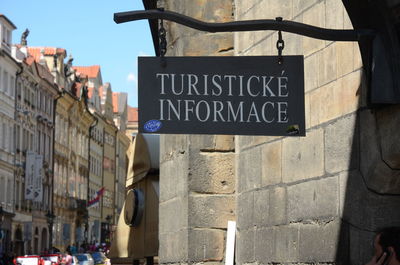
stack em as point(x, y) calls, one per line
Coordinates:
point(90, 71)
point(36, 51)
point(133, 115)
point(115, 101)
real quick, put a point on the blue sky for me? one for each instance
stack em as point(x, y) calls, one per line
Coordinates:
point(85, 28)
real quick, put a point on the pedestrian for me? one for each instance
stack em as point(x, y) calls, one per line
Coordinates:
point(68, 258)
point(386, 247)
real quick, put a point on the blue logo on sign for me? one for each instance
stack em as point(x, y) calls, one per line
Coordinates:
point(152, 126)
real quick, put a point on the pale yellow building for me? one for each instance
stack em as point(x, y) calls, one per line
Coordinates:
point(120, 107)
point(109, 165)
point(96, 150)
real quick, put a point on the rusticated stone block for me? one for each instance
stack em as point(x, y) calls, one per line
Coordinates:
point(206, 245)
point(300, 6)
point(313, 199)
point(350, 92)
point(245, 210)
point(245, 246)
point(212, 173)
point(206, 44)
point(310, 77)
point(335, 99)
point(274, 8)
point(264, 245)
point(172, 145)
point(261, 209)
point(271, 163)
point(287, 245)
point(173, 180)
point(324, 104)
point(345, 56)
point(277, 206)
point(243, 7)
point(249, 170)
point(334, 16)
point(341, 145)
point(211, 210)
point(327, 65)
point(315, 16)
point(302, 157)
point(318, 242)
point(173, 246)
point(169, 222)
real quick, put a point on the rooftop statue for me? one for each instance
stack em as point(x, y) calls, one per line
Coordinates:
point(23, 37)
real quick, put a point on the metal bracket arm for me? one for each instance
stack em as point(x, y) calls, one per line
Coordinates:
point(247, 25)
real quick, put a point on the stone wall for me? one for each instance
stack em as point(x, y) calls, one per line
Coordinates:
point(319, 198)
point(300, 200)
point(197, 181)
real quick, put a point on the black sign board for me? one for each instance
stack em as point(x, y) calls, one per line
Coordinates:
point(238, 95)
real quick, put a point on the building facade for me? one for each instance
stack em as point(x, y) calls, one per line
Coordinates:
point(96, 149)
point(59, 149)
point(132, 122)
point(120, 109)
point(9, 69)
point(96, 177)
point(296, 200)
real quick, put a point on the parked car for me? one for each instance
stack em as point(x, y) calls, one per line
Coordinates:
point(100, 258)
point(75, 261)
point(55, 259)
point(84, 259)
point(29, 260)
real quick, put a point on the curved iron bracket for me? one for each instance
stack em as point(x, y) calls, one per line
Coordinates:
point(247, 25)
point(382, 88)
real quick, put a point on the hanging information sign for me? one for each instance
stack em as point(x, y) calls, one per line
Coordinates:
point(222, 95)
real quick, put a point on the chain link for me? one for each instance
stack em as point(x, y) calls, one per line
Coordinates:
point(280, 44)
point(163, 40)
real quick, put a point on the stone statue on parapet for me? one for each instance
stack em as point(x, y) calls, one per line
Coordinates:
point(24, 35)
point(68, 67)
